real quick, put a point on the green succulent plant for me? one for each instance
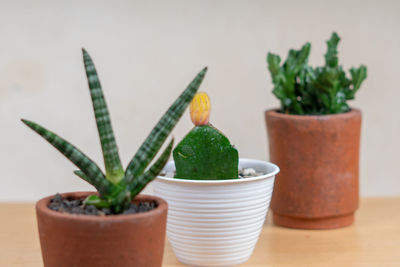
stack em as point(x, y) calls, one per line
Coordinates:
point(306, 90)
point(117, 187)
point(205, 153)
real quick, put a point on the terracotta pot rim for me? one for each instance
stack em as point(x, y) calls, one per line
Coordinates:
point(274, 113)
point(243, 161)
point(42, 206)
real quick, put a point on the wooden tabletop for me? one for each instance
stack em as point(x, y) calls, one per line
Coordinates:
point(374, 240)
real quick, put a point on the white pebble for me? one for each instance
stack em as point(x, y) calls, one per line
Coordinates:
point(249, 172)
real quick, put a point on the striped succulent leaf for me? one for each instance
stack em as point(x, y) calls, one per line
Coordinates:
point(112, 162)
point(140, 182)
point(96, 201)
point(81, 175)
point(92, 173)
point(160, 132)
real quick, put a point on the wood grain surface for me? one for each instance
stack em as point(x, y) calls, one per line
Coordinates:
point(374, 240)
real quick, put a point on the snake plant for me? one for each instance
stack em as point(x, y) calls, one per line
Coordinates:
point(117, 187)
point(306, 90)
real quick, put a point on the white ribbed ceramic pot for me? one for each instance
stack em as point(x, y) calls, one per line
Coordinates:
point(216, 222)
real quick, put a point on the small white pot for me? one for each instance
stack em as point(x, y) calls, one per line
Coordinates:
point(216, 222)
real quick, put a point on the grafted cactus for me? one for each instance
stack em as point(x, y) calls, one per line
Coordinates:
point(117, 187)
point(205, 153)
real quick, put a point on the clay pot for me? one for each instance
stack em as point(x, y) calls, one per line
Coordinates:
point(119, 240)
point(319, 160)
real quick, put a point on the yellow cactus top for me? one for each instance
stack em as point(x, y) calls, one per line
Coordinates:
point(200, 108)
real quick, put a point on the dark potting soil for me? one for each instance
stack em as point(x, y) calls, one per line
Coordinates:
point(76, 206)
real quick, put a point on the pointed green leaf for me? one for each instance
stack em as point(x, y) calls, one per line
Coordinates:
point(92, 172)
point(302, 57)
point(112, 162)
point(140, 182)
point(83, 176)
point(331, 56)
point(160, 132)
point(273, 65)
point(358, 75)
point(96, 201)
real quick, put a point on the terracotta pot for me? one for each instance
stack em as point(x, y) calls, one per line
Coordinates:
point(319, 160)
point(120, 240)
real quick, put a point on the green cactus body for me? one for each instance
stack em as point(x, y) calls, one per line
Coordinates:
point(206, 154)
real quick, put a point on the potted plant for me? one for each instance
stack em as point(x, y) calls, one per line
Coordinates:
point(215, 217)
point(130, 230)
point(315, 138)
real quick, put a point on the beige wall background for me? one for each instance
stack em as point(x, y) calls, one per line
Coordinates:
point(147, 52)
